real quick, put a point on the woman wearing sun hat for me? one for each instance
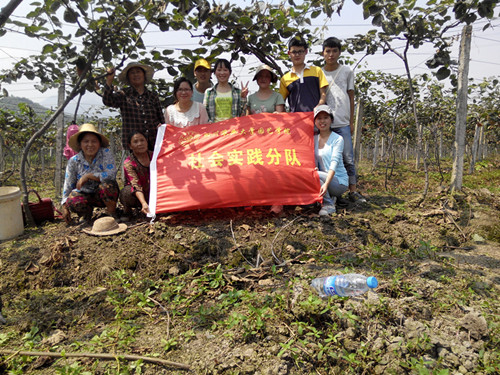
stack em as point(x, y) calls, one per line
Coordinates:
point(140, 108)
point(266, 99)
point(90, 176)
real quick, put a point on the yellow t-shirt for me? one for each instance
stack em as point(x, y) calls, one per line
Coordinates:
point(223, 106)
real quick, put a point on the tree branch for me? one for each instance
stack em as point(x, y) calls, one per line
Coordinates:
point(7, 11)
point(128, 357)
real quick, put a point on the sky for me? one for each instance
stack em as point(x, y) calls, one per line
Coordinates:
point(485, 53)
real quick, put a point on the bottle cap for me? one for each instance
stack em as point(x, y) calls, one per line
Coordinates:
point(372, 282)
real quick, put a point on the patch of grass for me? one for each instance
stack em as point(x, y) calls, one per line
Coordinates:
point(486, 175)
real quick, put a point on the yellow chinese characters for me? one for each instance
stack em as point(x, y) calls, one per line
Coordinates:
point(234, 132)
point(254, 156)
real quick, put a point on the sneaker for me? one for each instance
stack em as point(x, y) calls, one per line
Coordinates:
point(354, 196)
point(327, 210)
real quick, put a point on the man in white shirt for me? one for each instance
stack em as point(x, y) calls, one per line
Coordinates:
point(340, 97)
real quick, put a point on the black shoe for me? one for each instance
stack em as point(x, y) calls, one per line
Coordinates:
point(354, 196)
point(342, 202)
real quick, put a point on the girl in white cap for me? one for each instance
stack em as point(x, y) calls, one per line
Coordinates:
point(328, 147)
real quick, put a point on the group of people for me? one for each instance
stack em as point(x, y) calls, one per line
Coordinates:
point(328, 92)
point(90, 179)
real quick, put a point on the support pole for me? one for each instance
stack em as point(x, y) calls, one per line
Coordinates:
point(59, 144)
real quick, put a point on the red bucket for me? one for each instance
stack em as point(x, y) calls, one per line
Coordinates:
point(42, 210)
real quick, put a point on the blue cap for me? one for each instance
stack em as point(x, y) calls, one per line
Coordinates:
point(372, 282)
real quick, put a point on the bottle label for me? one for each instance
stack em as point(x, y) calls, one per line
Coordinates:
point(329, 286)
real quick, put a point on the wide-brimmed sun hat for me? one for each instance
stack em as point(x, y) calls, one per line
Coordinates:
point(323, 108)
point(148, 71)
point(86, 128)
point(106, 226)
point(203, 63)
point(274, 77)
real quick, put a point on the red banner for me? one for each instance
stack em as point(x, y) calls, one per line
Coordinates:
point(262, 159)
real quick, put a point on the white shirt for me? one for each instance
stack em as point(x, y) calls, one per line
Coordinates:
point(340, 81)
point(196, 115)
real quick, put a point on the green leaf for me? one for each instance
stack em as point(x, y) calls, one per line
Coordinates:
point(377, 20)
point(171, 71)
point(246, 21)
point(316, 14)
point(443, 73)
point(107, 55)
point(70, 16)
point(48, 48)
point(163, 24)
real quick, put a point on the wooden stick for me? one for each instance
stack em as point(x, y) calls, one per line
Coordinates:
point(128, 357)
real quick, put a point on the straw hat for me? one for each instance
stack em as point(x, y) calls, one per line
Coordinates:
point(86, 128)
point(274, 77)
point(203, 63)
point(148, 72)
point(106, 226)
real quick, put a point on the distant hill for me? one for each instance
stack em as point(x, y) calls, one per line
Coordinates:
point(11, 103)
point(89, 101)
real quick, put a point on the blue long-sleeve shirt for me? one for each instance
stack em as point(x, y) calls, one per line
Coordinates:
point(330, 157)
point(103, 166)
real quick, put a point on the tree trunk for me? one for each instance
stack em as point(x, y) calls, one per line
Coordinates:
point(480, 150)
point(2, 161)
point(375, 148)
point(461, 119)
point(382, 148)
point(440, 144)
point(407, 148)
point(475, 147)
point(59, 144)
point(358, 124)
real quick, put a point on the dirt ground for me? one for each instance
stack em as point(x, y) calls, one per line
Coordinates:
point(227, 291)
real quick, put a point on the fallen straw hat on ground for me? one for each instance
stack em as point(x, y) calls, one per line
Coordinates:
point(106, 226)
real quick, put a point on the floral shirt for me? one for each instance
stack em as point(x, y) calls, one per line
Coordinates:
point(136, 174)
point(103, 166)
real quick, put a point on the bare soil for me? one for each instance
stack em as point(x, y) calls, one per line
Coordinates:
point(227, 291)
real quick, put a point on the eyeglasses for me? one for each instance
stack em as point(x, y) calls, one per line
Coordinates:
point(298, 53)
point(184, 90)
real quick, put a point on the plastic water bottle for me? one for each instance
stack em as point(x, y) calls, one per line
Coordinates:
point(351, 284)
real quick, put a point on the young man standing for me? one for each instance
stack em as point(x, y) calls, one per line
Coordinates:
point(340, 97)
point(304, 86)
point(202, 73)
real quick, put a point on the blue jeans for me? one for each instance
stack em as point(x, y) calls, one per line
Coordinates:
point(334, 189)
point(348, 153)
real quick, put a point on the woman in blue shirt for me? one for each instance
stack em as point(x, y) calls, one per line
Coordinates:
point(90, 179)
point(328, 147)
